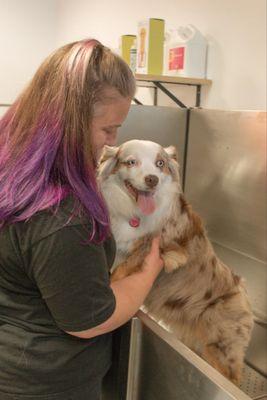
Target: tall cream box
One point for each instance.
(150, 41)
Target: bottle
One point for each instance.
(133, 56)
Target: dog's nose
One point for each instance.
(151, 180)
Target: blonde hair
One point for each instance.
(45, 143)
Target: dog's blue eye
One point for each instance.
(160, 163)
(130, 163)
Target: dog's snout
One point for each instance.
(151, 180)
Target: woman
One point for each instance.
(57, 306)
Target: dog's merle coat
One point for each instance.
(197, 296)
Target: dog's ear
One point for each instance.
(107, 161)
(172, 152)
(173, 161)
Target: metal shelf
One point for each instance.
(158, 82)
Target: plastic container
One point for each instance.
(133, 56)
(126, 42)
(185, 52)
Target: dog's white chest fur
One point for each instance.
(125, 234)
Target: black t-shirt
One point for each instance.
(51, 281)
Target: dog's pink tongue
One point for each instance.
(146, 204)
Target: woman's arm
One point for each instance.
(130, 293)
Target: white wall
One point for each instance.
(27, 36)
(30, 29)
(236, 30)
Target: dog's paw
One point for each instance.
(174, 259)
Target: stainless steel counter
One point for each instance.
(161, 367)
(150, 363)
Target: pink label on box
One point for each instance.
(176, 58)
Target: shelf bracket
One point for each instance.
(137, 101)
(169, 94)
(158, 85)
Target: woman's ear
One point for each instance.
(107, 161)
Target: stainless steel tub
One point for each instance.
(223, 154)
(161, 367)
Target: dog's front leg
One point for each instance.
(135, 260)
(174, 256)
(124, 269)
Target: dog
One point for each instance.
(196, 295)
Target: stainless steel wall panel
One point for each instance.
(226, 183)
(226, 177)
(255, 274)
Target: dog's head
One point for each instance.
(144, 170)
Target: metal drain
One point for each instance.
(253, 384)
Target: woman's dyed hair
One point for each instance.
(45, 141)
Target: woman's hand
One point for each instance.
(153, 262)
(130, 293)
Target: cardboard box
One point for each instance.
(126, 43)
(150, 41)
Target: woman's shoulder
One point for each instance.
(50, 221)
(67, 213)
